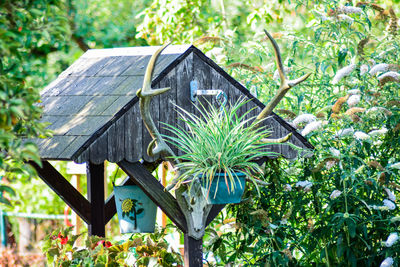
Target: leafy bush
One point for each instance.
(337, 208)
(60, 250)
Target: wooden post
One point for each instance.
(76, 171)
(76, 180)
(95, 189)
(193, 252)
(164, 168)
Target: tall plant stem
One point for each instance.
(327, 256)
(347, 211)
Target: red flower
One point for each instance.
(104, 243)
(19, 28)
(101, 242)
(63, 239)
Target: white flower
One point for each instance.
(322, 15)
(284, 221)
(379, 110)
(354, 92)
(346, 18)
(378, 142)
(273, 226)
(389, 204)
(287, 187)
(392, 75)
(334, 152)
(395, 219)
(350, 10)
(388, 262)
(372, 62)
(392, 238)
(338, 89)
(343, 73)
(395, 165)
(269, 66)
(293, 170)
(390, 194)
(303, 118)
(363, 69)
(345, 132)
(335, 194)
(306, 185)
(217, 53)
(312, 126)
(382, 54)
(361, 135)
(382, 67)
(353, 100)
(329, 164)
(276, 73)
(378, 132)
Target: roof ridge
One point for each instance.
(134, 51)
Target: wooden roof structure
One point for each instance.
(94, 112)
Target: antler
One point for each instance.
(283, 89)
(157, 147)
(285, 83)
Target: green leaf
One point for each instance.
(342, 56)
(139, 211)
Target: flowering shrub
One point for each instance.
(339, 206)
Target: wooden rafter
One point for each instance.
(155, 191)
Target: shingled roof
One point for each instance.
(88, 101)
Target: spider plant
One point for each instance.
(218, 141)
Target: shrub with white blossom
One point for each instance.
(340, 208)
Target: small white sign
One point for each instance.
(74, 168)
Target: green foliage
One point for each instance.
(218, 141)
(336, 208)
(60, 250)
(25, 40)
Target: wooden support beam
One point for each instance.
(215, 210)
(155, 191)
(193, 252)
(64, 190)
(95, 191)
(109, 208)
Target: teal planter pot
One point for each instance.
(136, 212)
(218, 192)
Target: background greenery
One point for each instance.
(302, 226)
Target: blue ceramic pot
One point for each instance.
(219, 193)
(136, 212)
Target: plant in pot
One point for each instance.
(219, 149)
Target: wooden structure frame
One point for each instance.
(95, 117)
